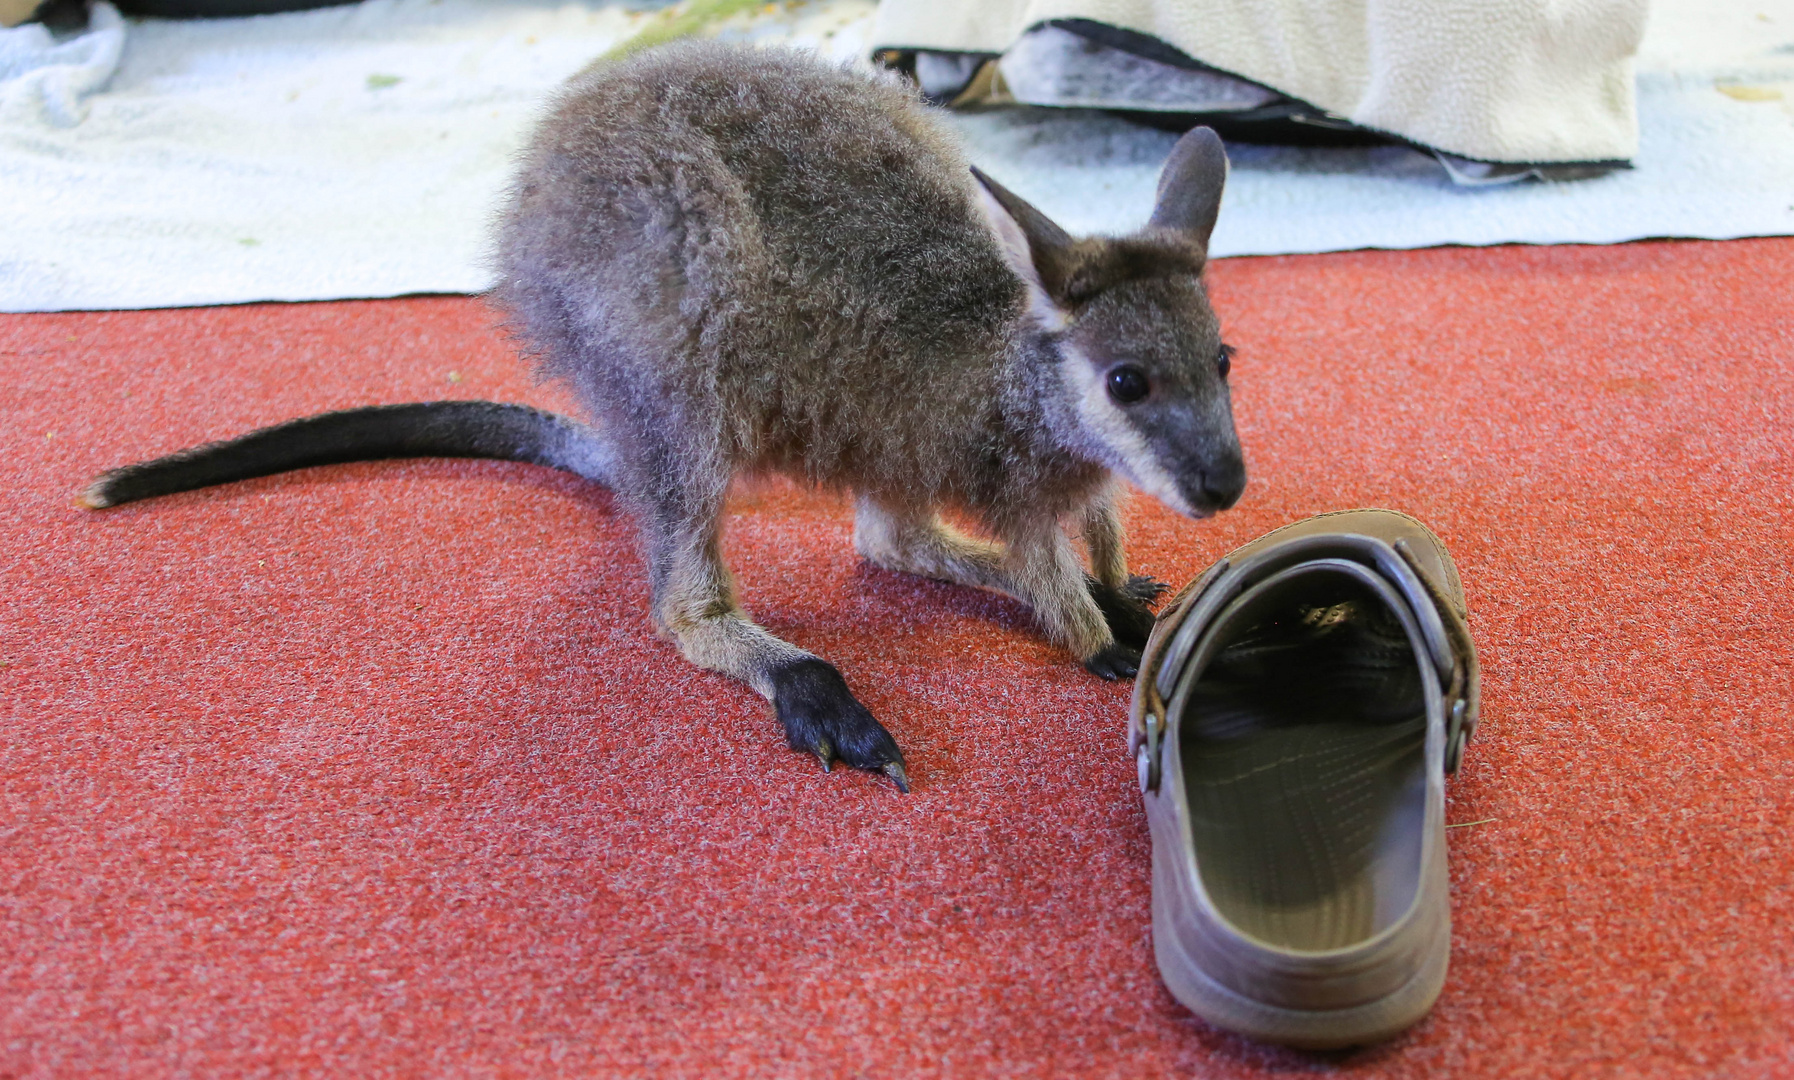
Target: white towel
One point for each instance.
(361, 151)
(351, 151)
(44, 81)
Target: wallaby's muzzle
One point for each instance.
(1222, 484)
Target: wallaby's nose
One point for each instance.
(1224, 485)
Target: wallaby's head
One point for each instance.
(1141, 373)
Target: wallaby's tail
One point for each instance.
(480, 429)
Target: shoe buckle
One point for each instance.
(1455, 737)
(1146, 758)
(1460, 725)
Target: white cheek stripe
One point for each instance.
(1103, 419)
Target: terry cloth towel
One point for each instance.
(1510, 81)
(350, 151)
(363, 151)
(44, 81)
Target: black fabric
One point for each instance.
(218, 9)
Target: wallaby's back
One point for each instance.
(791, 251)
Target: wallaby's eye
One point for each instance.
(1224, 360)
(1127, 384)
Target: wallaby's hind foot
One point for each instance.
(822, 717)
(819, 714)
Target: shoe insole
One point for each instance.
(1303, 759)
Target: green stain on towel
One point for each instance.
(680, 21)
(381, 82)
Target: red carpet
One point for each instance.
(377, 770)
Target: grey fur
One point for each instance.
(748, 262)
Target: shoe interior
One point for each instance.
(1303, 758)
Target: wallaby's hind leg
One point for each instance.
(1123, 598)
(1104, 626)
(1105, 537)
(694, 603)
(1044, 570)
(918, 542)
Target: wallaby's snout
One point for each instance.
(1220, 483)
(1224, 485)
(1205, 453)
(1205, 462)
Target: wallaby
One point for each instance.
(749, 261)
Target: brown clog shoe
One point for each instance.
(1297, 711)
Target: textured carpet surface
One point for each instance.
(377, 770)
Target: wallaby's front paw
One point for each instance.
(1118, 661)
(1145, 588)
(822, 717)
(1124, 609)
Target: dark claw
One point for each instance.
(894, 770)
(821, 717)
(1118, 661)
(1145, 589)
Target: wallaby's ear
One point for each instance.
(1040, 230)
(1190, 185)
(1034, 246)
